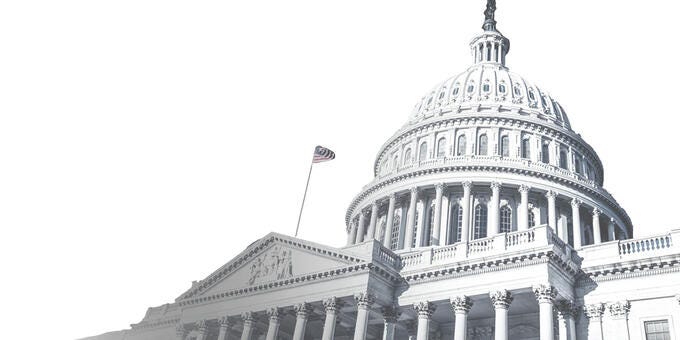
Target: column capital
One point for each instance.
(392, 196)
(425, 308)
(619, 309)
(364, 299)
(566, 309)
(575, 202)
(302, 309)
(332, 304)
(273, 313)
(496, 185)
(180, 330)
(551, 194)
(501, 299)
(247, 317)
(467, 185)
(597, 212)
(365, 212)
(375, 204)
(440, 186)
(414, 190)
(593, 311)
(545, 293)
(226, 321)
(461, 304)
(391, 314)
(523, 189)
(201, 325)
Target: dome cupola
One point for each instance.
(490, 46)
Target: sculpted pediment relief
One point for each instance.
(272, 258)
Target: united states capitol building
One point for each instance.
(486, 219)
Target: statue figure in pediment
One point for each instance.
(276, 264)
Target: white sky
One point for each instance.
(144, 143)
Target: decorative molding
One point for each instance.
(276, 264)
(501, 299)
(545, 293)
(425, 309)
(461, 304)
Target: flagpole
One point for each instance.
(304, 197)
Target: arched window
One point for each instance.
(396, 225)
(577, 164)
(462, 144)
(395, 163)
(545, 152)
(564, 161)
(506, 219)
(526, 148)
(415, 229)
(517, 90)
(382, 228)
(471, 87)
(532, 96)
(480, 221)
(501, 88)
(505, 146)
(422, 154)
(483, 145)
(430, 225)
(407, 156)
(459, 223)
(486, 87)
(532, 219)
(456, 89)
(441, 148)
(442, 94)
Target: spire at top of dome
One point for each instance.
(490, 16)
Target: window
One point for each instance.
(471, 87)
(480, 221)
(505, 146)
(564, 162)
(456, 90)
(429, 101)
(459, 223)
(486, 87)
(577, 164)
(441, 94)
(441, 148)
(532, 96)
(430, 225)
(517, 90)
(407, 156)
(415, 229)
(422, 155)
(506, 219)
(526, 148)
(483, 145)
(462, 144)
(396, 225)
(544, 101)
(501, 88)
(532, 219)
(657, 330)
(395, 164)
(545, 152)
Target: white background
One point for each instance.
(144, 143)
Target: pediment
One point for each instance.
(275, 257)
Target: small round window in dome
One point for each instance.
(501, 88)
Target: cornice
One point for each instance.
(598, 192)
(156, 324)
(627, 270)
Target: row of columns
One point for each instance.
(358, 230)
(501, 300)
(302, 311)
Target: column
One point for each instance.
(444, 229)
(494, 213)
(545, 294)
(412, 329)
(332, 305)
(248, 321)
(351, 238)
(390, 314)
(387, 240)
(597, 235)
(202, 329)
(501, 302)
(461, 306)
(180, 331)
(611, 230)
(420, 223)
(439, 192)
(566, 312)
(364, 302)
(225, 327)
(425, 310)
(618, 325)
(274, 323)
(302, 312)
(374, 220)
(594, 314)
(362, 227)
(523, 211)
(552, 210)
(411, 219)
(465, 230)
(576, 222)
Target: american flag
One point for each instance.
(322, 154)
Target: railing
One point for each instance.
(644, 245)
(387, 256)
(410, 260)
(480, 246)
(519, 238)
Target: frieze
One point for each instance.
(276, 264)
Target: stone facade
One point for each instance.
(486, 219)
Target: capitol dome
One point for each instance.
(483, 153)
